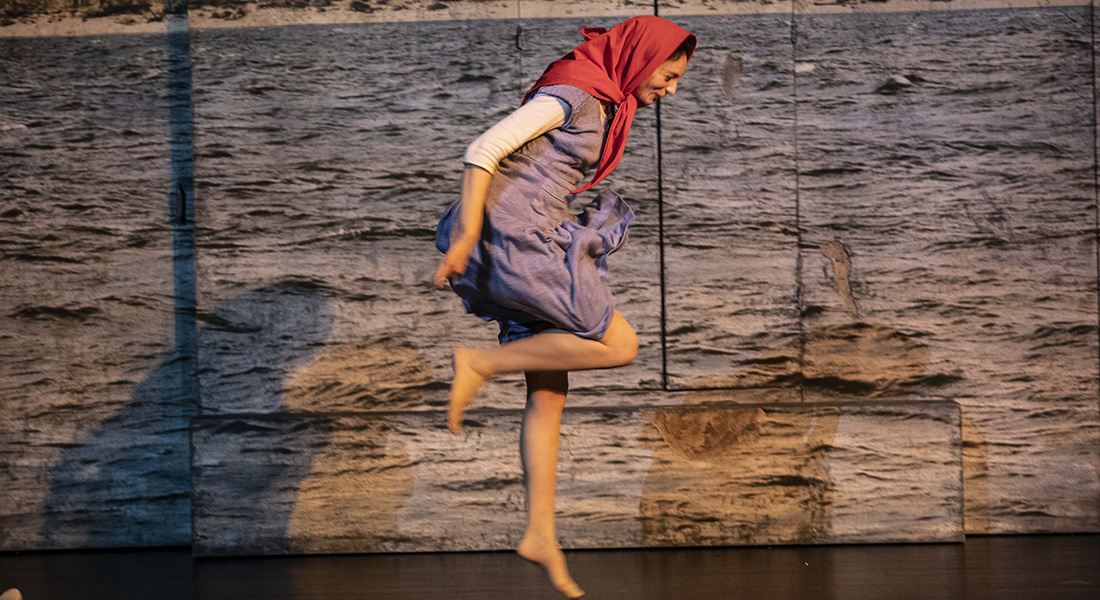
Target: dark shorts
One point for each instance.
(511, 331)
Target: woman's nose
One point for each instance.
(672, 88)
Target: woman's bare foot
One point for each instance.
(545, 552)
(467, 381)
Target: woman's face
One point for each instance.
(661, 82)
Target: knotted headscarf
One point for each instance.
(610, 65)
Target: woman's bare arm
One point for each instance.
(475, 184)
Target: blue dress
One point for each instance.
(537, 266)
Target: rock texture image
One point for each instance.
(892, 248)
(863, 275)
(946, 184)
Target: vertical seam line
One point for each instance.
(797, 213)
(661, 242)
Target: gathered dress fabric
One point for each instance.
(537, 266)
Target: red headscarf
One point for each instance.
(610, 65)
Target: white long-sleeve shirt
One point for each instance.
(542, 113)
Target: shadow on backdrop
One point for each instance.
(128, 483)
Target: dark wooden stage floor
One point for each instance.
(1000, 567)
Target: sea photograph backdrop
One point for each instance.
(863, 277)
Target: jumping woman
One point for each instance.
(516, 255)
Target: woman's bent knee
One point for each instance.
(630, 349)
(621, 338)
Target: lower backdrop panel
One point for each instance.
(693, 475)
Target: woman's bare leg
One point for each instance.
(546, 392)
(541, 352)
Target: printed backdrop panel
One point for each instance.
(948, 209)
(730, 207)
(717, 474)
(93, 391)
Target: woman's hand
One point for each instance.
(455, 261)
